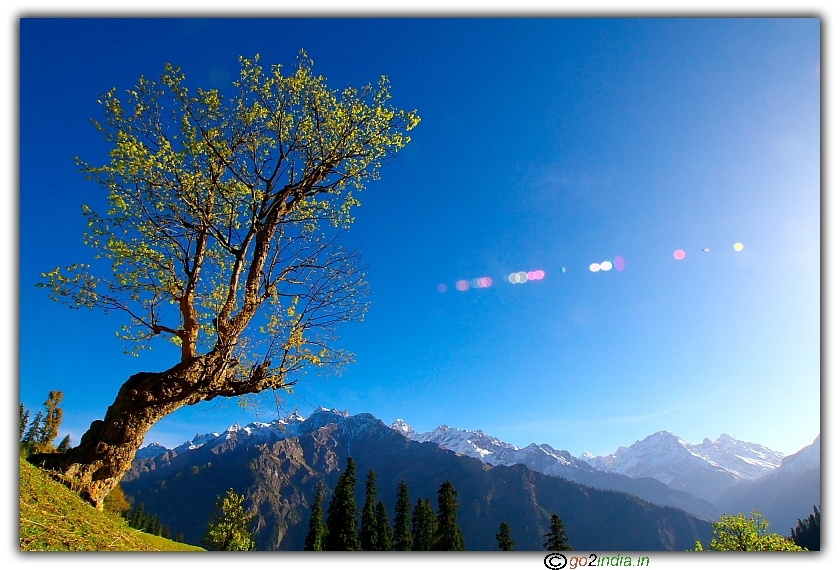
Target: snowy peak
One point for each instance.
(806, 458)
(400, 426)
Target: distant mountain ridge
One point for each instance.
(705, 470)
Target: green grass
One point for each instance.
(54, 518)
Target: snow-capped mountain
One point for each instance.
(705, 470)
(803, 460)
(542, 458)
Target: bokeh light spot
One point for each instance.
(442, 288)
(619, 263)
(679, 254)
(738, 246)
(539, 274)
(606, 265)
(595, 267)
(563, 270)
(523, 277)
(462, 285)
(706, 249)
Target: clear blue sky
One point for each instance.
(544, 144)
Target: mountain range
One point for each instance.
(279, 465)
(704, 480)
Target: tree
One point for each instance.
(24, 420)
(402, 519)
(65, 445)
(317, 531)
(32, 435)
(423, 526)
(51, 422)
(736, 532)
(503, 537)
(384, 533)
(368, 537)
(222, 235)
(116, 502)
(448, 534)
(807, 532)
(341, 514)
(229, 526)
(556, 539)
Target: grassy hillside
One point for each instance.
(54, 518)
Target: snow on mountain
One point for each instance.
(806, 458)
(151, 450)
(706, 469)
(493, 451)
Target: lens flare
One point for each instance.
(619, 263)
(595, 267)
(706, 250)
(442, 288)
(562, 270)
(679, 254)
(738, 246)
(462, 285)
(606, 265)
(523, 277)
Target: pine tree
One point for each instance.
(384, 534)
(24, 420)
(341, 514)
(64, 445)
(229, 526)
(32, 436)
(556, 539)
(503, 537)
(368, 537)
(448, 536)
(51, 423)
(807, 532)
(402, 519)
(423, 525)
(317, 531)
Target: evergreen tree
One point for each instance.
(556, 539)
(167, 532)
(368, 537)
(229, 526)
(180, 538)
(138, 518)
(402, 519)
(317, 531)
(503, 537)
(64, 445)
(51, 423)
(807, 532)
(448, 535)
(341, 514)
(384, 534)
(32, 436)
(24, 420)
(423, 525)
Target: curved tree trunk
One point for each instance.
(106, 450)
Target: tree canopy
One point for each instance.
(737, 532)
(229, 526)
(222, 234)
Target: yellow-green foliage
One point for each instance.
(54, 518)
(737, 532)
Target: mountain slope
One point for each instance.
(549, 461)
(783, 495)
(278, 467)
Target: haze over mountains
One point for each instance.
(704, 480)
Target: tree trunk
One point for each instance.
(106, 450)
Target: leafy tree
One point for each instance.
(317, 531)
(384, 533)
(342, 512)
(503, 537)
(448, 535)
(556, 539)
(402, 519)
(222, 236)
(423, 526)
(807, 532)
(368, 537)
(229, 526)
(736, 532)
(51, 422)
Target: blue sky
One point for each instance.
(544, 144)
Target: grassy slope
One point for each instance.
(54, 518)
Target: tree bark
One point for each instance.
(106, 450)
